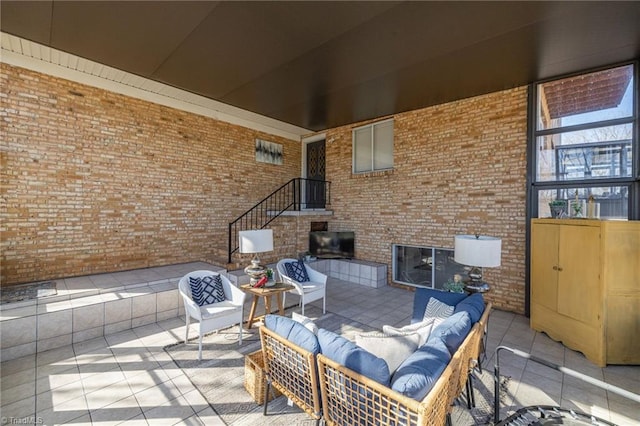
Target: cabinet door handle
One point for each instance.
(555, 268)
(559, 269)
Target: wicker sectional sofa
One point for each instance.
(336, 380)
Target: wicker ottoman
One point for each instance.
(255, 379)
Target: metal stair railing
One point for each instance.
(287, 197)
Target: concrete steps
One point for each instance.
(91, 306)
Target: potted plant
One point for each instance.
(455, 285)
(558, 208)
(306, 257)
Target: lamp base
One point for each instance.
(477, 287)
(474, 283)
(255, 271)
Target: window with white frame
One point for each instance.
(373, 147)
(585, 142)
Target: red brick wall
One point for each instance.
(93, 181)
(459, 168)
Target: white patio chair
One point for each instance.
(309, 291)
(215, 316)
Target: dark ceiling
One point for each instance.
(319, 65)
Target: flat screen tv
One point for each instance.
(332, 245)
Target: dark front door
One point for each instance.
(315, 193)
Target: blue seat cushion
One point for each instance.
(347, 353)
(422, 296)
(473, 305)
(417, 374)
(297, 271)
(452, 331)
(293, 331)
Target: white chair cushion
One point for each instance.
(217, 309)
(311, 286)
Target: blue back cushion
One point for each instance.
(473, 305)
(293, 331)
(207, 290)
(297, 271)
(452, 331)
(421, 298)
(352, 356)
(417, 374)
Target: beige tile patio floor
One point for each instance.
(127, 377)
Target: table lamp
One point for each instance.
(256, 241)
(479, 252)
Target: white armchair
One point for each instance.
(309, 291)
(214, 316)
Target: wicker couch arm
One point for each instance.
(292, 370)
(483, 324)
(467, 355)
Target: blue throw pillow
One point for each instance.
(293, 331)
(417, 374)
(207, 290)
(452, 331)
(352, 356)
(297, 271)
(422, 296)
(473, 305)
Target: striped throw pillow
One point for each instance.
(437, 309)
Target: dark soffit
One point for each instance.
(320, 65)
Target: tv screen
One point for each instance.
(332, 245)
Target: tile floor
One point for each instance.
(127, 377)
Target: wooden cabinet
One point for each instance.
(585, 286)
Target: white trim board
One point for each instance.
(23, 53)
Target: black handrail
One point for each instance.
(287, 197)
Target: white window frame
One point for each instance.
(372, 127)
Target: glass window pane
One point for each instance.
(608, 202)
(413, 265)
(587, 98)
(383, 146)
(362, 150)
(424, 266)
(603, 152)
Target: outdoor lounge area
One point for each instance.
(415, 191)
(146, 375)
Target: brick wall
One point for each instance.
(93, 181)
(459, 168)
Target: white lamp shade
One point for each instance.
(481, 251)
(258, 241)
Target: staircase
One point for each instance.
(296, 195)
